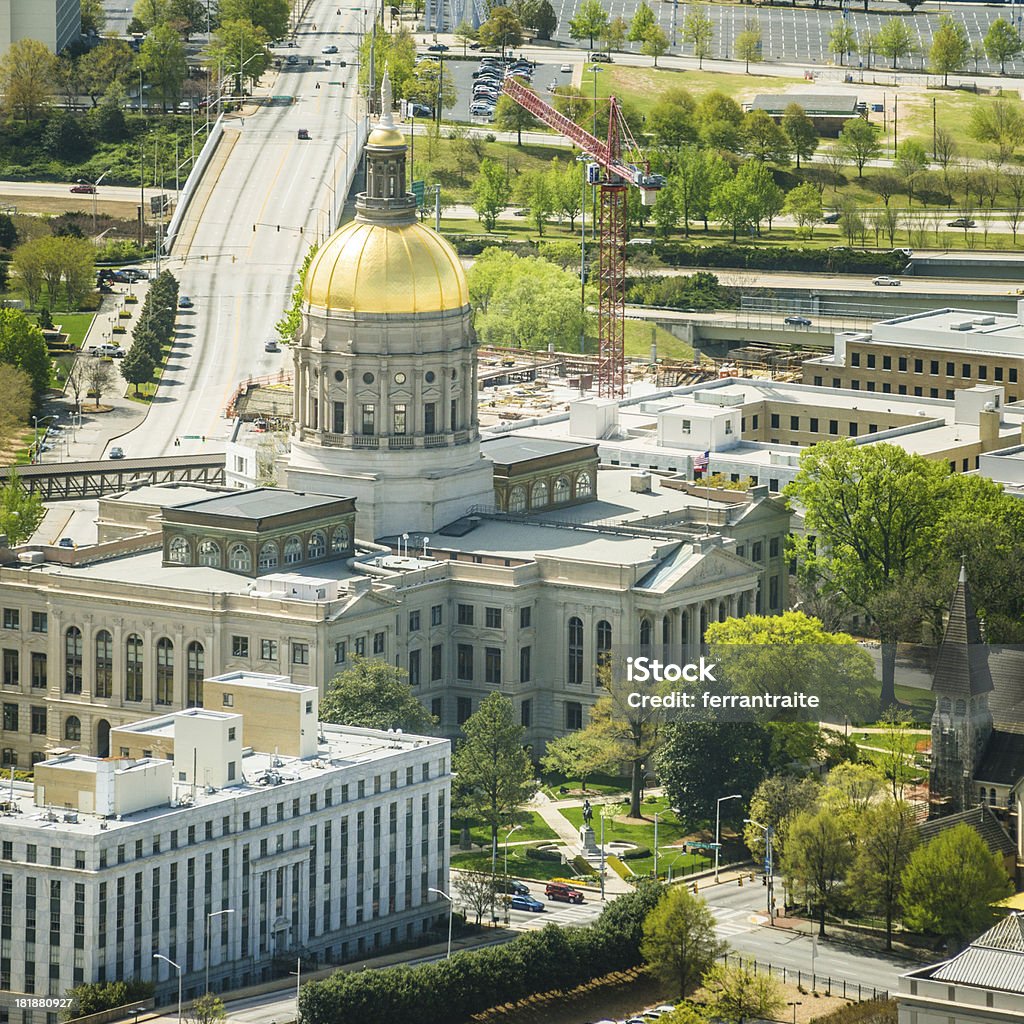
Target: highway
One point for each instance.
(253, 221)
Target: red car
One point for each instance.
(84, 187)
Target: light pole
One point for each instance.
(35, 437)
(718, 819)
(177, 967)
(657, 814)
(769, 867)
(298, 984)
(209, 918)
(795, 1004)
(95, 186)
(602, 852)
(514, 828)
(451, 907)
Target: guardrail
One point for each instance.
(195, 176)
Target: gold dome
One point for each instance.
(383, 136)
(385, 268)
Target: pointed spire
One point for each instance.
(961, 668)
(386, 101)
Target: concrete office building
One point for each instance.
(55, 23)
(325, 849)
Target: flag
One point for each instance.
(700, 464)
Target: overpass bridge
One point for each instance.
(67, 481)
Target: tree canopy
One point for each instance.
(374, 695)
(680, 943)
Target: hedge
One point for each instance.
(536, 853)
(839, 260)
(636, 853)
(449, 991)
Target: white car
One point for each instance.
(566, 69)
(329, 49)
(892, 282)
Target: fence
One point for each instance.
(798, 977)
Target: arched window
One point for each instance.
(72, 728)
(209, 553)
(196, 666)
(73, 660)
(961, 707)
(945, 705)
(576, 650)
(646, 633)
(268, 556)
(603, 643)
(340, 540)
(539, 495)
(104, 664)
(584, 485)
(164, 671)
(992, 797)
(517, 499)
(317, 546)
(562, 489)
(292, 551)
(133, 668)
(178, 551)
(239, 558)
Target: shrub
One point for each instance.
(636, 853)
(93, 997)
(582, 865)
(839, 260)
(536, 853)
(618, 867)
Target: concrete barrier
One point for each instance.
(192, 183)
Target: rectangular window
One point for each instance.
(933, 367)
(12, 666)
(228, 700)
(773, 592)
(10, 717)
(429, 417)
(813, 427)
(436, 615)
(398, 419)
(436, 658)
(902, 363)
(794, 422)
(463, 709)
(369, 425)
(300, 654)
(464, 662)
(998, 373)
(886, 362)
(950, 369)
(524, 664)
(378, 643)
(39, 622)
(966, 370)
(853, 429)
(871, 362)
(492, 618)
(855, 359)
(773, 547)
(525, 714)
(414, 667)
(756, 550)
(1013, 376)
(12, 618)
(464, 614)
(338, 425)
(918, 366)
(492, 665)
(982, 373)
(573, 714)
(435, 708)
(268, 650)
(774, 419)
(360, 645)
(524, 617)
(239, 647)
(38, 720)
(833, 426)
(414, 622)
(340, 652)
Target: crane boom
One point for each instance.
(612, 216)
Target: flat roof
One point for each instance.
(510, 448)
(259, 503)
(259, 680)
(165, 495)
(813, 103)
(977, 332)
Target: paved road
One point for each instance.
(270, 200)
(118, 193)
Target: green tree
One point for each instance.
(999, 122)
(747, 199)
(749, 44)
(501, 30)
(893, 40)
(494, 777)
(950, 48)
(777, 800)
(162, 58)
(23, 346)
(680, 944)
(77, 260)
(187, 17)
(108, 120)
(800, 130)
(910, 164)
(655, 43)
(374, 695)
(269, 15)
(873, 509)
(491, 193)
(578, 755)
(734, 993)
(818, 853)
(96, 996)
(842, 41)
(590, 21)
(764, 139)
(395, 51)
(207, 1009)
(565, 185)
(28, 75)
(570, 101)
(699, 172)
(886, 837)
(950, 884)
(20, 511)
(671, 119)
(803, 204)
(720, 122)
(1002, 43)
(859, 143)
(94, 17)
(699, 31)
(64, 137)
(137, 366)
(613, 35)
(642, 23)
(850, 789)
(701, 760)
(240, 49)
(8, 232)
(511, 117)
(851, 223)
(108, 64)
(534, 192)
(432, 83)
(544, 20)
(466, 34)
(666, 211)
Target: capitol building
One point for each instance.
(510, 562)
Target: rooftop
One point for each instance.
(259, 503)
(813, 103)
(956, 330)
(518, 448)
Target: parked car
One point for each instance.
(562, 893)
(600, 58)
(107, 351)
(831, 218)
(66, 542)
(892, 282)
(420, 110)
(797, 321)
(303, 133)
(84, 187)
(133, 274)
(185, 303)
(526, 903)
(437, 48)
(482, 110)
(115, 453)
(961, 222)
(329, 49)
(513, 887)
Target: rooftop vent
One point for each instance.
(984, 321)
(961, 325)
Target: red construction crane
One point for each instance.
(617, 176)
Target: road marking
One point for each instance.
(270, 193)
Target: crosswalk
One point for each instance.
(729, 921)
(564, 914)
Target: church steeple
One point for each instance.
(961, 668)
(386, 200)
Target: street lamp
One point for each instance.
(769, 868)
(514, 828)
(209, 918)
(35, 437)
(451, 907)
(718, 818)
(657, 814)
(795, 1004)
(95, 186)
(177, 967)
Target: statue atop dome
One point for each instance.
(386, 101)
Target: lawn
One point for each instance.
(76, 325)
(519, 865)
(554, 782)
(535, 828)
